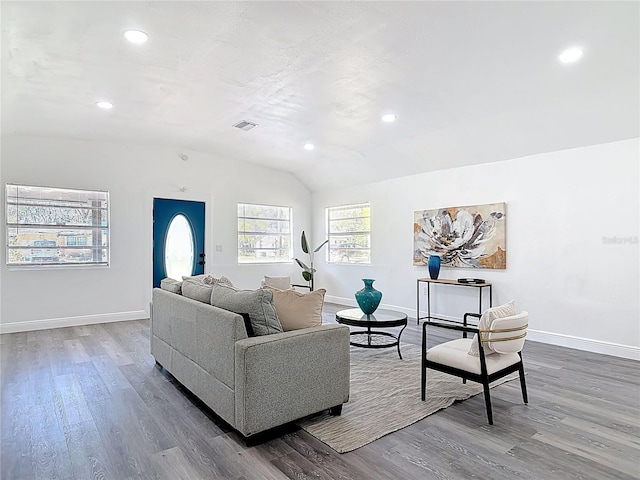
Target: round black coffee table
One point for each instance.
(372, 337)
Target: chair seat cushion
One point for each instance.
(456, 354)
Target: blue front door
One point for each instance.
(178, 239)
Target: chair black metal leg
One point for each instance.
(523, 385)
(487, 400)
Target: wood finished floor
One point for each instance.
(88, 403)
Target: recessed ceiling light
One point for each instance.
(136, 36)
(309, 146)
(570, 55)
(389, 117)
(104, 105)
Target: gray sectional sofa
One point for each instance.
(253, 383)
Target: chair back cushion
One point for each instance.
(513, 328)
(506, 310)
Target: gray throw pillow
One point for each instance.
(196, 290)
(257, 303)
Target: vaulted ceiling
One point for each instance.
(470, 82)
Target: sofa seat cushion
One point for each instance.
(258, 304)
(298, 310)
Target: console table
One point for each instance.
(429, 281)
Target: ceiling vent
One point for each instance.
(246, 126)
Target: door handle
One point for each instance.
(201, 262)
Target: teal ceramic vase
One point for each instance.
(434, 266)
(368, 298)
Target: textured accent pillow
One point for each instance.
(298, 310)
(210, 279)
(195, 278)
(281, 283)
(196, 290)
(257, 303)
(506, 310)
(171, 285)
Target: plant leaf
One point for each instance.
(321, 245)
(304, 244)
(302, 264)
(307, 275)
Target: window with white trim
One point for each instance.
(56, 226)
(264, 234)
(349, 232)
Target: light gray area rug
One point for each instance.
(385, 397)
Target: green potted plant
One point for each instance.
(308, 271)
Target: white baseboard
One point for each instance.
(45, 324)
(569, 341)
(586, 344)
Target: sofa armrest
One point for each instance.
(282, 377)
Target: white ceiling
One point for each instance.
(471, 82)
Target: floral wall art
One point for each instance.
(469, 237)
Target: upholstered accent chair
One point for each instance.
(498, 353)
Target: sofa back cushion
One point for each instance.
(171, 285)
(298, 310)
(258, 304)
(196, 290)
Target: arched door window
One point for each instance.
(178, 248)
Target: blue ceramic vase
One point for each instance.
(368, 298)
(434, 266)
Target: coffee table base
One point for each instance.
(375, 339)
(372, 337)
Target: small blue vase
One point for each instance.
(434, 266)
(368, 298)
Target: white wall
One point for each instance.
(133, 175)
(562, 209)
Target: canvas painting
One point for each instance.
(469, 237)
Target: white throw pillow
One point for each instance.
(281, 283)
(298, 310)
(502, 311)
